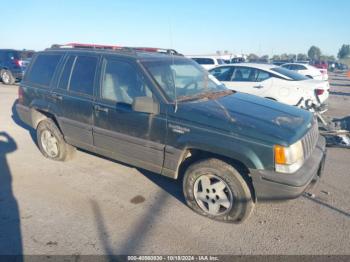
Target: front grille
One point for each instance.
(309, 141)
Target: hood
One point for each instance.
(247, 116)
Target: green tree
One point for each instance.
(253, 57)
(302, 57)
(276, 58)
(284, 57)
(344, 51)
(314, 53)
(264, 57)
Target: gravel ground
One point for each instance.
(91, 205)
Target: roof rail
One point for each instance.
(115, 47)
(92, 46)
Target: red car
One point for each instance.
(321, 64)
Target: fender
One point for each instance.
(40, 110)
(240, 150)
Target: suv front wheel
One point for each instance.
(51, 142)
(215, 189)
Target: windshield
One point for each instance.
(189, 79)
(292, 75)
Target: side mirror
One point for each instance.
(145, 104)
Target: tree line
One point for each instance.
(314, 53)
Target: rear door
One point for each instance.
(73, 97)
(133, 137)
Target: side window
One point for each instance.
(43, 69)
(222, 73)
(121, 82)
(262, 76)
(204, 61)
(245, 74)
(67, 70)
(300, 67)
(83, 75)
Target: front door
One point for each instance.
(133, 137)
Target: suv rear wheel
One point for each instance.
(215, 189)
(7, 77)
(51, 142)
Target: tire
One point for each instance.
(203, 189)
(7, 77)
(310, 77)
(51, 142)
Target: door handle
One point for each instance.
(57, 96)
(259, 86)
(101, 108)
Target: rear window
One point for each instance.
(291, 75)
(43, 69)
(204, 61)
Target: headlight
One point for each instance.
(289, 159)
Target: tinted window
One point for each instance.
(83, 75)
(43, 69)
(222, 73)
(64, 81)
(204, 61)
(262, 76)
(121, 83)
(299, 67)
(221, 61)
(291, 75)
(245, 74)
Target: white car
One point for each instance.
(308, 70)
(275, 83)
(208, 62)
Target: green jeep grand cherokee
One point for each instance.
(164, 113)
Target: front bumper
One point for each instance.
(270, 185)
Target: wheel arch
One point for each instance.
(192, 155)
(38, 115)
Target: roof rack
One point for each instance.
(115, 47)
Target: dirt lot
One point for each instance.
(91, 205)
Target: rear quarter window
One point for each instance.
(43, 69)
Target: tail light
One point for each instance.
(20, 95)
(18, 62)
(319, 92)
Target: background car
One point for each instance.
(275, 83)
(13, 64)
(208, 62)
(320, 64)
(308, 70)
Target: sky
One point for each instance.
(189, 26)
